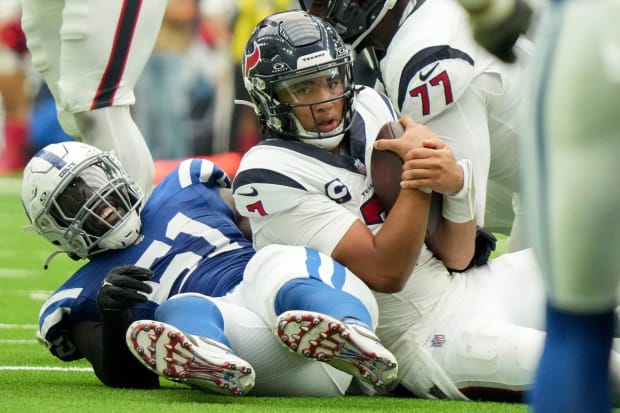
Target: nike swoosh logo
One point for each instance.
(253, 192)
(424, 76)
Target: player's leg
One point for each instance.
(278, 371)
(577, 129)
(318, 309)
(479, 343)
(191, 350)
(103, 51)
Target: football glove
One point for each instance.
(497, 24)
(124, 287)
(485, 245)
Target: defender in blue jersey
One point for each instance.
(174, 286)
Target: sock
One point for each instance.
(573, 372)
(313, 295)
(194, 315)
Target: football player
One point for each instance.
(574, 117)
(184, 243)
(90, 55)
(433, 71)
(470, 335)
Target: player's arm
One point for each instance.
(385, 260)
(242, 222)
(433, 165)
(103, 343)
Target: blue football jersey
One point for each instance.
(189, 240)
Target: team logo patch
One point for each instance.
(438, 340)
(252, 59)
(337, 191)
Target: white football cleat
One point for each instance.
(196, 361)
(348, 347)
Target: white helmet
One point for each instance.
(81, 199)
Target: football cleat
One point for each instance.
(348, 347)
(196, 361)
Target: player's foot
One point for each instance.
(348, 347)
(196, 361)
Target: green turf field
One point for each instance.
(32, 380)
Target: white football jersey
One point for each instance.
(297, 194)
(434, 72)
(332, 190)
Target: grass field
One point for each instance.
(32, 380)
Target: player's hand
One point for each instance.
(415, 133)
(499, 25)
(124, 287)
(485, 245)
(432, 166)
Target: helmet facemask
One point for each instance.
(318, 105)
(89, 207)
(98, 209)
(297, 71)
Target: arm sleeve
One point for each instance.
(103, 344)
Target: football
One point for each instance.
(386, 167)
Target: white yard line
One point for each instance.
(19, 326)
(10, 341)
(46, 368)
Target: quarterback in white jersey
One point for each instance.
(153, 270)
(90, 54)
(434, 72)
(455, 335)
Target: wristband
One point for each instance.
(461, 207)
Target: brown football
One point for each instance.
(386, 167)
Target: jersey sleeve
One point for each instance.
(431, 61)
(285, 200)
(197, 171)
(317, 223)
(72, 302)
(262, 188)
(431, 81)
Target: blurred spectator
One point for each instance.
(216, 24)
(185, 96)
(14, 94)
(169, 84)
(237, 19)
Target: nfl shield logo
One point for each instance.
(438, 340)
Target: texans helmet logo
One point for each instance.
(252, 59)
